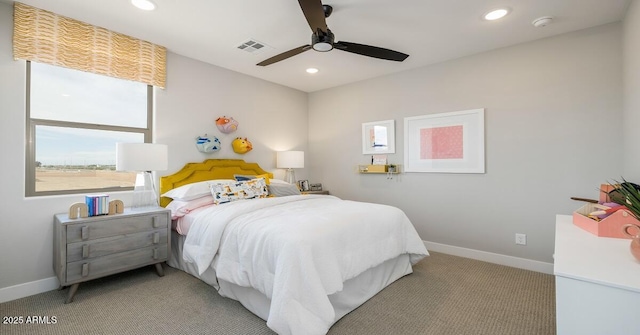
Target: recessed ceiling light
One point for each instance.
(496, 14)
(312, 70)
(144, 4)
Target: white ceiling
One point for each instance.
(430, 31)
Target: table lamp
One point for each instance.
(290, 160)
(142, 158)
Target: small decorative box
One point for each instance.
(611, 226)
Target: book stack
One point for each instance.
(97, 204)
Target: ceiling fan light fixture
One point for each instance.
(496, 14)
(322, 47)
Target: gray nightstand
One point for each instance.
(98, 246)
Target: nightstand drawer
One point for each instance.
(110, 226)
(111, 245)
(103, 266)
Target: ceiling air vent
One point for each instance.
(253, 46)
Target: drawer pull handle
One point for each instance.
(156, 238)
(155, 223)
(85, 269)
(155, 253)
(85, 251)
(84, 232)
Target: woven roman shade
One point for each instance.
(46, 37)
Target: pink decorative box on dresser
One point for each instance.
(611, 226)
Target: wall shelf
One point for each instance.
(379, 169)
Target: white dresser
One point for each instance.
(597, 283)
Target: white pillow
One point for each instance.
(194, 190)
(181, 208)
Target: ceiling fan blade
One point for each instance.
(284, 55)
(314, 13)
(367, 50)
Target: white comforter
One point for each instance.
(297, 250)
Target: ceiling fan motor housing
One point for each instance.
(327, 9)
(322, 41)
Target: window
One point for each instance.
(74, 120)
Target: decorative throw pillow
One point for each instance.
(238, 190)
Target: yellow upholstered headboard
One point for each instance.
(207, 170)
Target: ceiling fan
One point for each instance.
(322, 38)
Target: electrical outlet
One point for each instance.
(521, 239)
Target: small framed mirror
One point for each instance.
(379, 137)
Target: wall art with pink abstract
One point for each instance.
(445, 142)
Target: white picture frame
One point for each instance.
(445, 143)
(378, 137)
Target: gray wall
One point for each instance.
(631, 38)
(273, 117)
(553, 110)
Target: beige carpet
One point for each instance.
(444, 295)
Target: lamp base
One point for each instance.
(144, 191)
(290, 176)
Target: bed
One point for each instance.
(300, 262)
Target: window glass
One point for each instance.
(75, 120)
(63, 94)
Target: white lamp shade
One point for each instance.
(141, 157)
(290, 159)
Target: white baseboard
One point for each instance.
(28, 289)
(516, 262)
(48, 284)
